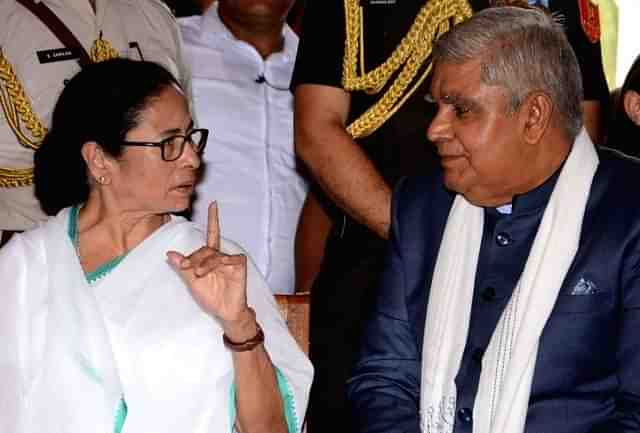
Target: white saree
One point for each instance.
(70, 351)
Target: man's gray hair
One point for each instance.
(523, 50)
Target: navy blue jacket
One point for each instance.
(587, 375)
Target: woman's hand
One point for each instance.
(218, 282)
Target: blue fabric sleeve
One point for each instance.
(384, 389)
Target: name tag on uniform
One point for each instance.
(379, 2)
(57, 55)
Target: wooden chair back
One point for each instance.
(295, 310)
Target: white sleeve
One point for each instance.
(283, 350)
(22, 311)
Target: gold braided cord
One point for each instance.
(433, 20)
(18, 112)
(15, 177)
(17, 107)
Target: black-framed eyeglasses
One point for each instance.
(173, 147)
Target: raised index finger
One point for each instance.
(213, 227)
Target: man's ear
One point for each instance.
(536, 112)
(632, 105)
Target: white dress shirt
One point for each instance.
(250, 165)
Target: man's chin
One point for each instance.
(474, 197)
(453, 184)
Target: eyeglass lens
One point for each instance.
(174, 147)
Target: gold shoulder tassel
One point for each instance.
(102, 50)
(18, 113)
(433, 20)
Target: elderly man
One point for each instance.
(510, 297)
(339, 103)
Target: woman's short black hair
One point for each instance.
(623, 132)
(101, 103)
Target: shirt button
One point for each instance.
(464, 415)
(503, 239)
(477, 355)
(488, 294)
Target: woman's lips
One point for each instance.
(186, 187)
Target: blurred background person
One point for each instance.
(44, 43)
(242, 52)
(117, 314)
(624, 130)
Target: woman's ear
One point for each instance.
(97, 162)
(632, 105)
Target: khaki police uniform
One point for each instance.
(136, 29)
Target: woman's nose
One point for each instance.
(190, 156)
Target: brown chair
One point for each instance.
(295, 310)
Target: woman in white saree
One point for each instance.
(118, 317)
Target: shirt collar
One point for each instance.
(534, 200)
(212, 27)
(82, 8)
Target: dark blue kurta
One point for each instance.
(586, 377)
(506, 242)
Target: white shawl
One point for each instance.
(507, 367)
(69, 351)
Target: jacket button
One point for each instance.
(488, 294)
(464, 415)
(503, 239)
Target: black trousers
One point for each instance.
(341, 298)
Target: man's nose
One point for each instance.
(440, 127)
